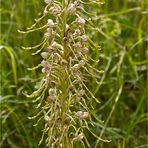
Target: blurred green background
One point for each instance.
(121, 31)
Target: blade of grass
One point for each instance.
(11, 54)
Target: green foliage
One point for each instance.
(119, 27)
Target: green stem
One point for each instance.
(64, 84)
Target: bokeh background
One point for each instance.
(121, 31)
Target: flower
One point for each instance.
(50, 23)
(46, 118)
(48, 35)
(84, 38)
(81, 93)
(45, 64)
(47, 1)
(55, 9)
(73, 7)
(84, 50)
(80, 136)
(78, 45)
(82, 115)
(52, 91)
(80, 21)
(77, 33)
(44, 55)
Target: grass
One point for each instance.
(120, 29)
